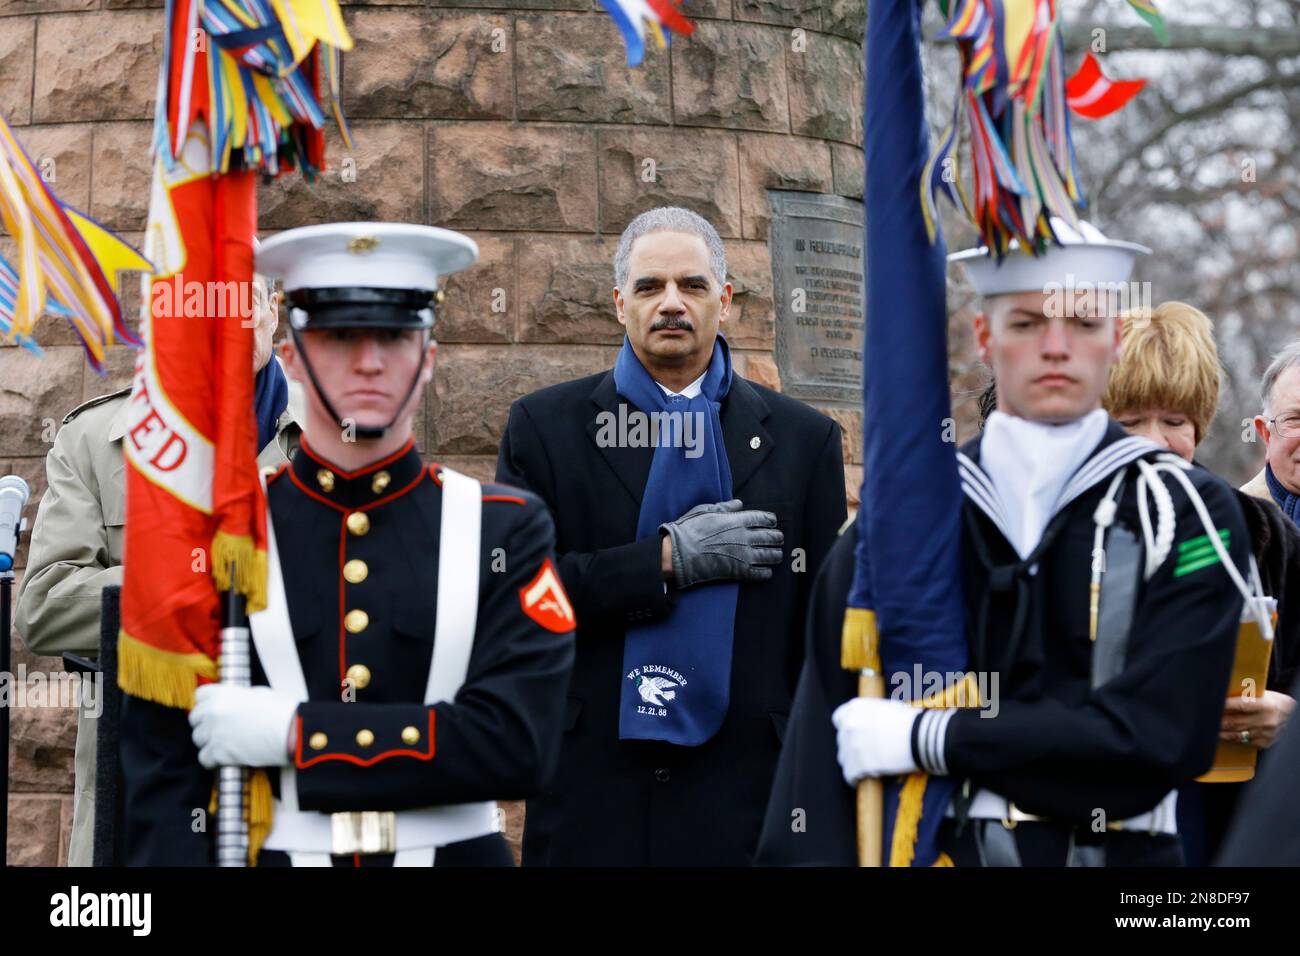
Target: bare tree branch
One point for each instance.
(1203, 111)
(1270, 45)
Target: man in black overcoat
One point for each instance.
(692, 510)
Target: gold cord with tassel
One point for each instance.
(911, 799)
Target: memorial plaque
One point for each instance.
(816, 249)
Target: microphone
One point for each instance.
(13, 498)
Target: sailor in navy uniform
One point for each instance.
(410, 666)
(1100, 710)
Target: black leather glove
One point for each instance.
(720, 542)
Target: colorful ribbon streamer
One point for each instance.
(633, 17)
(1014, 107)
(253, 70)
(1148, 12)
(1092, 94)
(67, 263)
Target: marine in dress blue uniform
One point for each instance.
(401, 683)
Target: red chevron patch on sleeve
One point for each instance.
(543, 599)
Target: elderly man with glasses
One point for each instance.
(1279, 427)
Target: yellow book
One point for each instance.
(1234, 762)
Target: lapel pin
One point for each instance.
(755, 442)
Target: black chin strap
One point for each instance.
(362, 431)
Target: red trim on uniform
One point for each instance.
(302, 443)
(343, 634)
(343, 537)
(512, 499)
(278, 472)
(367, 761)
(419, 476)
(293, 476)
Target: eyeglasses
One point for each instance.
(1288, 426)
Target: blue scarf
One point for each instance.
(270, 399)
(677, 671)
(1287, 501)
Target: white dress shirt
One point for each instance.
(690, 391)
(1030, 462)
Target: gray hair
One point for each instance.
(1289, 357)
(670, 219)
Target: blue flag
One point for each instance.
(909, 522)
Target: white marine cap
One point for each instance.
(374, 255)
(1085, 255)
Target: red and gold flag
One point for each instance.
(240, 93)
(195, 518)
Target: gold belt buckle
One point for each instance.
(363, 831)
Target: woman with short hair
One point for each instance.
(1166, 388)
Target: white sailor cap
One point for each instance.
(357, 274)
(1084, 256)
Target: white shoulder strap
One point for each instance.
(458, 567)
(272, 632)
(276, 649)
(457, 618)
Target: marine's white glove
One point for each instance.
(241, 726)
(875, 737)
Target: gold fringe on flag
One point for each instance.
(250, 568)
(860, 641)
(164, 677)
(907, 820)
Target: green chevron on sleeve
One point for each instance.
(1197, 553)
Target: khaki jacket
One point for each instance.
(1257, 487)
(76, 551)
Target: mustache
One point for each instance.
(673, 322)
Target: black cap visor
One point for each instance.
(363, 308)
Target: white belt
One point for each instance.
(988, 805)
(305, 831)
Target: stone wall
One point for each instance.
(515, 122)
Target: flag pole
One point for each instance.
(871, 790)
(235, 670)
(6, 605)
(902, 613)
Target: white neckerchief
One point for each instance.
(1029, 464)
(690, 391)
